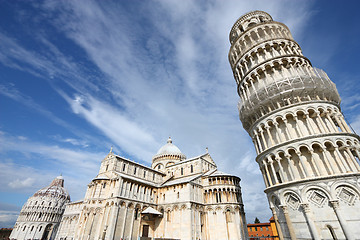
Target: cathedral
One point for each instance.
(306, 151)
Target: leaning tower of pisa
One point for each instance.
(307, 153)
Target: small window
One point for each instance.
(135, 170)
(260, 228)
(228, 216)
(278, 177)
(40, 228)
(24, 228)
(164, 197)
(182, 171)
(32, 228)
(159, 167)
(107, 166)
(153, 176)
(168, 214)
(178, 195)
(255, 229)
(124, 167)
(136, 213)
(191, 168)
(104, 185)
(144, 174)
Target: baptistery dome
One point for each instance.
(167, 155)
(41, 214)
(55, 190)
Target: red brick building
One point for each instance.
(263, 231)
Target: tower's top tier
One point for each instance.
(247, 21)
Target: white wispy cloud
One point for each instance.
(22, 183)
(41, 163)
(115, 125)
(8, 218)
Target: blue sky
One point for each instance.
(79, 77)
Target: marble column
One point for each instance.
(267, 172)
(332, 123)
(288, 222)
(287, 129)
(302, 161)
(292, 170)
(310, 221)
(342, 221)
(353, 160)
(315, 160)
(278, 227)
(326, 160)
(282, 173)
(342, 160)
(267, 127)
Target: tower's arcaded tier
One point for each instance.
(307, 153)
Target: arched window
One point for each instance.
(178, 195)
(278, 177)
(32, 228)
(134, 170)
(182, 171)
(332, 232)
(24, 228)
(144, 174)
(136, 213)
(124, 167)
(168, 215)
(191, 168)
(228, 215)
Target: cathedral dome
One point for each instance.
(54, 190)
(168, 152)
(169, 148)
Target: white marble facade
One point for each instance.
(176, 198)
(41, 214)
(307, 153)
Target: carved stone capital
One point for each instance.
(306, 207)
(335, 204)
(284, 209)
